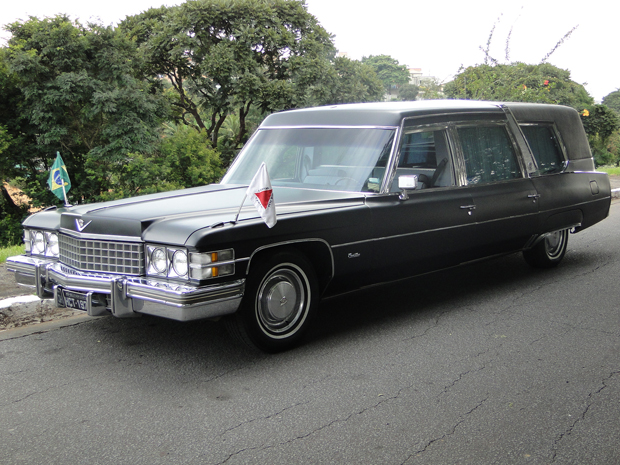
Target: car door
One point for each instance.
(430, 227)
(505, 199)
(560, 192)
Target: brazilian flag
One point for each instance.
(59, 181)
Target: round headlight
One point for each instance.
(179, 263)
(52, 245)
(38, 243)
(158, 260)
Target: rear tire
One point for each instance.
(549, 252)
(280, 301)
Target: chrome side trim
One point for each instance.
(322, 126)
(284, 243)
(398, 236)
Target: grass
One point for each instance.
(10, 251)
(613, 170)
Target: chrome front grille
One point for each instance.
(102, 256)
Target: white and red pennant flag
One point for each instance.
(262, 195)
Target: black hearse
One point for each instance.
(364, 194)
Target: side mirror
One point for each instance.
(405, 183)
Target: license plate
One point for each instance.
(75, 300)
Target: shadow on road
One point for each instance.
(205, 346)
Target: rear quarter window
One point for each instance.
(545, 147)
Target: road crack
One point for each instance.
(588, 403)
(450, 432)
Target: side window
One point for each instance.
(425, 153)
(545, 147)
(489, 154)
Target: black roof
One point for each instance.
(392, 113)
(374, 114)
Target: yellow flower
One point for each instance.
(585, 113)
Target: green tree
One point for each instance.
(183, 159)
(19, 157)
(601, 123)
(228, 56)
(613, 148)
(408, 92)
(388, 70)
(81, 91)
(346, 81)
(612, 100)
(519, 82)
(431, 89)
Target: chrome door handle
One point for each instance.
(468, 207)
(534, 197)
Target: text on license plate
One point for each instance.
(75, 300)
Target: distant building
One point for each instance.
(428, 84)
(415, 76)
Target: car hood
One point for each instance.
(154, 217)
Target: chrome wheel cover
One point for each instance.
(282, 301)
(554, 243)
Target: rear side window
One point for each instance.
(489, 154)
(545, 148)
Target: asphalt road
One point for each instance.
(493, 363)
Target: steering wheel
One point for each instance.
(346, 180)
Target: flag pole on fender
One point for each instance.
(261, 193)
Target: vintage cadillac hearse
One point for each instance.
(364, 194)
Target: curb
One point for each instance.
(28, 309)
(615, 193)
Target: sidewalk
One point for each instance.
(615, 186)
(19, 306)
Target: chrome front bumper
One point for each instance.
(127, 296)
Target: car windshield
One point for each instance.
(347, 159)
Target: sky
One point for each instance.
(438, 37)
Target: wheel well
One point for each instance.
(317, 252)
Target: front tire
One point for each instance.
(549, 252)
(280, 301)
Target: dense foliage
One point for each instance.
(80, 89)
(408, 92)
(162, 102)
(518, 82)
(391, 73)
(612, 101)
(224, 56)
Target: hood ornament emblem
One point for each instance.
(80, 225)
